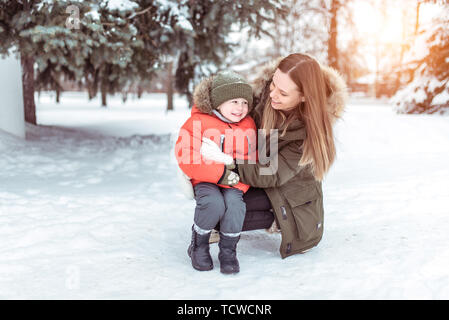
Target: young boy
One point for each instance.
(221, 106)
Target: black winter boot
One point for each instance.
(228, 255)
(199, 252)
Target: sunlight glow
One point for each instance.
(384, 27)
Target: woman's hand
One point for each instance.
(210, 151)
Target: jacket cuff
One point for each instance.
(236, 169)
(222, 176)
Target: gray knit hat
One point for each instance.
(227, 85)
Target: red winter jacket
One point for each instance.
(235, 139)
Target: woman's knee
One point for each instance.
(256, 200)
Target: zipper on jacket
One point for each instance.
(284, 213)
(222, 138)
(289, 248)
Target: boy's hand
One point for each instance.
(231, 166)
(209, 150)
(229, 178)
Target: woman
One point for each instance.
(302, 99)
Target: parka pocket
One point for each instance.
(307, 209)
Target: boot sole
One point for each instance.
(229, 272)
(202, 269)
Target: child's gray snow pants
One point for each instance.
(219, 205)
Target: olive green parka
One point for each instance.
(295, 195)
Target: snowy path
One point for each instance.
(88, 210)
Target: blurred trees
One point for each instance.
(312, 27)
(395, 50)
(112, 50)
(332, 50)
(38, 33)
(107, 49)
(309, 27)
(204, 42)
(426, 66)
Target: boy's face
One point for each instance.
(234, 109)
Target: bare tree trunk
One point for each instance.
(417, 17)
(104, 92)
(189, 99)
(376, 73)
(401, 54)
(169, 86)
(139, 91)
(332, 50)
(28, 88)
(278, 41)
(411, 72)
(103, 98)
(90, 93)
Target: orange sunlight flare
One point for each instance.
(381, 27)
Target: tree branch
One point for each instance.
(135, 14)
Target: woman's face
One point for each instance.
(284, 93)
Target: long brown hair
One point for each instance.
(318, 146)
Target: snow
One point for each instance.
(137, 117)
(442, 98)
(419, 50)
(367, 79)
(412, 94)
(121, 4)
(90, 209)
(181, 12)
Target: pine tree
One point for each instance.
(60, 49)
(203, 29)
(36, 31)
(156, 24)
(109, 49)
(427, 62)
(15, 17)
(113, 49)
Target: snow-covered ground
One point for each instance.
(90, 209)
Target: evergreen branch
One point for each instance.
(135, 14)
(132, 16)
(112, 24)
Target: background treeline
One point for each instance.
(136, 46)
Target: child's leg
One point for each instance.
(209, 209)
(210, 206)
(230, 227)
(232, 221)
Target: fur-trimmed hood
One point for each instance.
(336, 99)
(201, 95)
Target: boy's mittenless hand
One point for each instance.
(231, 166)
(229, 177)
